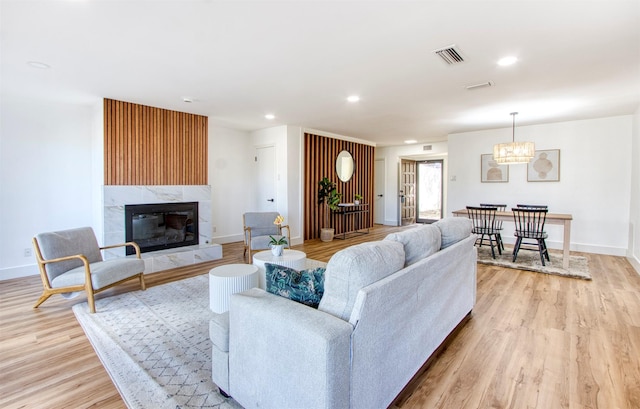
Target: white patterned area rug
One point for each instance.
(530, 261)
(155, 345)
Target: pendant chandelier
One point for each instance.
(513, 152)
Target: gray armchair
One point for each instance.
(71, 261)
(258, 226)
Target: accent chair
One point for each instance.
(258, 226)
(71, 261)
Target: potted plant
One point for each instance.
(277, 245)
(328, 195)
(357, 198)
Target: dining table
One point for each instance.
(552, 218)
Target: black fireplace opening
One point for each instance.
(159, 226)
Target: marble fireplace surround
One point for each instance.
(116, 197)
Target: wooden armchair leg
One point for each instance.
(44, 297)
(91, 300)
(143, 286)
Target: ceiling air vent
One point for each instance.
(450, 55)
(427, 147)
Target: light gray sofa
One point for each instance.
(386, 308)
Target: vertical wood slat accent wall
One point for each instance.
(320, 155)
(153, 146)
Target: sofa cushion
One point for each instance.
(454, 229)
(355, 267)
(418, 242)
(306, 286)
(219, 331)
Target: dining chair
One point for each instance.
(530, 226)
(484, 219)
(530, 206)
(498, 223)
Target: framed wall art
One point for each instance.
(544, 167)
(492, 172)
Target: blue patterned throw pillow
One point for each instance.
(306, 286)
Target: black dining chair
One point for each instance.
(484, 220)
(530, 206)
(530, 231)
(498, 223)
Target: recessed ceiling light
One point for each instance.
(353, 98)
(37, 64)
(410, 141)
(270, 116)
(187, 100)
(507, 61)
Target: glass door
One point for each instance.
(429, 191)
(406, 195)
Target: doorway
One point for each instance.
(266, 179)
(406, 195)
(429, 190)
(380, 177)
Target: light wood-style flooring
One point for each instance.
(534, 341)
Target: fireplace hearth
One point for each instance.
(159, 226)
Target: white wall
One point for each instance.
(46, 170)
(51, 176)
(230, 176)
(276, 137)
(634, 216)
(295, 180)
(392, 156)
(594, 186)
(287, 141)
(97, 170)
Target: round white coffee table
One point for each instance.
(229, 279)
(290, 258)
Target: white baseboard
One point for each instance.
(19, 271)
(635, 263)
(233, 238)
(584, 248)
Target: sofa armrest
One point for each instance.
(285, 354)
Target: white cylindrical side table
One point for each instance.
(229, 279)
(290, 258)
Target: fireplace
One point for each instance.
(159, 226)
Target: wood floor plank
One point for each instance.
(533, 341)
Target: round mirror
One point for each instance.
(345, 166)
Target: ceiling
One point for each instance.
(299, 61)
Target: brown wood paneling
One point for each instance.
(152, 146)
(320, 154)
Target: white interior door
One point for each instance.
(378, 191)
(266, 178)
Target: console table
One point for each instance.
(353, 210)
